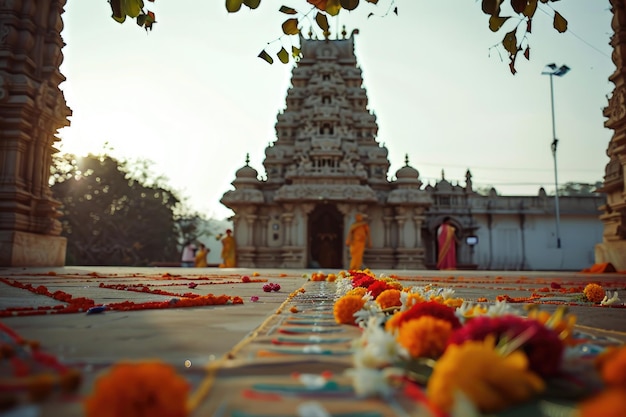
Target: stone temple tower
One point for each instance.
(326, 166)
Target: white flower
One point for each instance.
(370, 382)
(376, 347)
(501, 308)
(447, 293)
(609, 301)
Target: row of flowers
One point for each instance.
(73, 304)
(477, 356)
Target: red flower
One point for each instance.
(544, 349)
(428, 308)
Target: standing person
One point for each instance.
(188, 259)
(446, 237)
(358, 238)
(201, 255)
(229, 250)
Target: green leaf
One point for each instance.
(283, 55)
(496, 22)
(290, 27)
(510, 42)
(265, 56)
(322, 21)
(287, 10)
(295, 51)
(560, 23)
(233, 6)
(349, 4)
(253, 4)
(333, 7)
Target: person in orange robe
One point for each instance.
(201, 255)
(229, 251)
(358, 238)
(446, 258)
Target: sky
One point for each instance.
(193, 97)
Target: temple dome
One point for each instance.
(407, 174)
(247, 171)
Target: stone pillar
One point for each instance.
(33, 109)
(613, 246)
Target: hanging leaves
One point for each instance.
(530, 9)
(319, 4)
(253, 4)
(527, 53)
(519, 5)
(266, 57)
(290, 27)
(322, 21)
(496, 22)
(349, 4)
(491, 7)
(373, 1)
(295, 51)
(333, 7)
(233, 6)
(510, 42)
(283, 55)
(287, 10)
(560, 23)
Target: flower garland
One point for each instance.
(35, 375)
(490, 356)
(83, 304)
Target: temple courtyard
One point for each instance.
(141, 313)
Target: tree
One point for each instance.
(110, 216)
(515, 15)
(579, 188)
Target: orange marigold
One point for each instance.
(492, 382)
(345, 308)
(360, 291)
(612, 366)
(593, 292)
(141, 389)
(608, 403)
(389, 298)
(425, 336)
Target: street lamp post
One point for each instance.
(553, 70)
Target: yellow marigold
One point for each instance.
(608, 403)
(389, 298)
(413, 298)
(559, 321)
(453, 302)
(331, 277)
(594, 293)
(139, 389)
(612, 366)
(345, 308)
(360, 291)
(425, 336)
(392, 283)
(491, 381)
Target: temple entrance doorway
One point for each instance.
(325, 236)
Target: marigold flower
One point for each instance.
(593, 292)
(608, 403)
(360, 291)
(428, 308)
(389, 298)
(424, 337)
(492, 382)
(612, 366)
(345, 308)
(377, 287)
(139, 389)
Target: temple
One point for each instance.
(327, 165)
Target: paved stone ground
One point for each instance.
(202, 335)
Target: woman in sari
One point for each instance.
(446, 238)
(358, 238)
